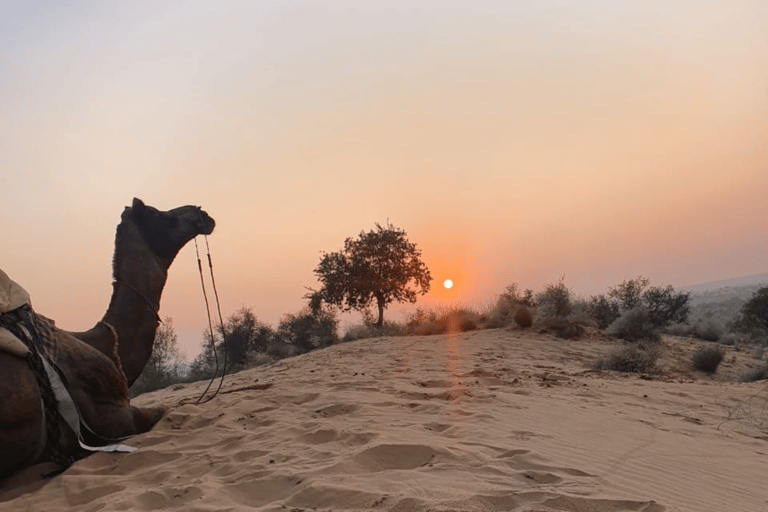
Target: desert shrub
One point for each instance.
(635, 358)
(707, 359)
(666, 306)
(707, 331)
(279, 348)
(503, 311)
(634, 325)
(360, 331)
(309, 329)
(603, 310)
(760, 373)
(561, 327)
(443, 321)
(555, 300)
(523, 317)
(255, 359)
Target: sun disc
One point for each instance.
(448, 283)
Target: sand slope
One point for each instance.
(491, 420)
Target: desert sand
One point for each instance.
(486, 421)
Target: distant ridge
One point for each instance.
(754, 279)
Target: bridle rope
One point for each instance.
(137, 292)
(210, 323)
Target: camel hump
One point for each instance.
(12, 295)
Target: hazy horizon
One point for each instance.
(513, 142)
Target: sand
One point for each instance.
(489, 420)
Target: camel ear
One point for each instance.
(138, 210)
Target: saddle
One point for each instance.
(12, 297)
(41, 350)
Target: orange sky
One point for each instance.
(514, 143)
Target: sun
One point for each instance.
(448, 283)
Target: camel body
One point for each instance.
(99, 365)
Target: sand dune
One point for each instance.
(486, 421)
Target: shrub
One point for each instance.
(308, 329)
(603, 310)
(760, 373)
(708, 331)
(503, 311)
(555, 300)
(360, 331)
(707, 359)
(637, 358)
(665, 306)
(443, 321)
(523, 317)
(634, 325)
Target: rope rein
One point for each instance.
(210, 323)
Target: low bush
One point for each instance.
(443, 321)
(523, 317)
(707, 359)
(308, 330)
(707, 331)
(634, 325)
(360, 331)
(502, 313)
(635, 358)
(603, 310)
(555, 300)
(760, 373)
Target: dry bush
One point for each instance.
(560, 327)
(707, 331)
(443, 320)
(255, 359)
(360, 331)
(760, 373)
(635, 358)
(503, 311)
(707, 359)
(523, 317)
(635, 325)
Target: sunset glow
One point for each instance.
(597, 141)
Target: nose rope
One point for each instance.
(210, 323)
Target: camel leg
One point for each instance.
(22, 434)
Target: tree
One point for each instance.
(753, 319)
(165, 366)
(380, 266)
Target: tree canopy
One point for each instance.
(379, 266)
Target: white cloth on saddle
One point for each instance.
(12, 296)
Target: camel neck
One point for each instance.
(139, 277)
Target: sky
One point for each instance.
(513, 141)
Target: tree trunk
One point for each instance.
(380, 321)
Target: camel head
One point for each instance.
(167, 232)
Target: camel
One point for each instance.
(98, 365)
(146, 243)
